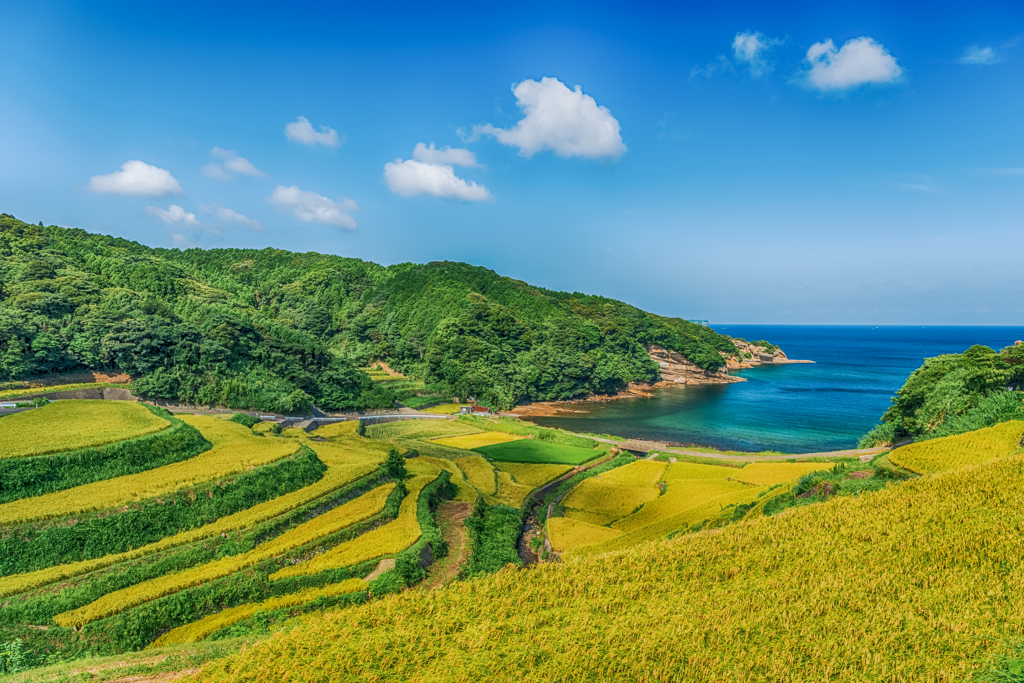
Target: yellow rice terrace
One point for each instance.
(280, 552)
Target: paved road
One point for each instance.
(664, 448)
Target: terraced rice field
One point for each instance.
(348, 458)
(535, 451)
(389, 539)
(235, 449)
(471, 441)
(773, 473)
(426, 428)
(532, 475)
(125, 596)
(602, 502)
(197, 630)
(479, 473)
(952, 452)
(912, 583)
(72, 425)
(569, 533)
(339, 518)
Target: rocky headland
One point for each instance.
(675, 370)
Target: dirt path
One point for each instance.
(451, 517)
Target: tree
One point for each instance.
(394, 465)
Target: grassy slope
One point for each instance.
(930, 583)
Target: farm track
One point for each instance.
(451, 517)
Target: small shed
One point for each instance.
(465, 410)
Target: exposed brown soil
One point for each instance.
(451, 517)
(386, 368)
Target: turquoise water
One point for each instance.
(790, 408)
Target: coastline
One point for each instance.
(637, 390)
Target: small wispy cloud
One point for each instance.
(173, 214)
(1006, 171)
(232, 163)
(751, 48)
(302, 131)
(310, 207)
(226, 215)
(976, 54)
(720, 65)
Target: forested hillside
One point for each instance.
(275, 330)
(955, 393)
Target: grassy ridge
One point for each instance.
(755, 601)
(26, 477)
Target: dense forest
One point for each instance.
(953, 394)
(280, 331)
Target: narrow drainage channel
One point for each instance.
(526, 553)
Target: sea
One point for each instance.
(798, 408)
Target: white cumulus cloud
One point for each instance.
(302, 131)
(136, 178)
(858, 61)
(173, 214)
(975, 54)
(565, 121)
(232, 164)
(453, 157)
(751, 48)
(411, 177)
(310, 207)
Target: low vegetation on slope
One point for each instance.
(916, 582)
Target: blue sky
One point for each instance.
(852, 163)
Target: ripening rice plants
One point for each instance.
(471, 441)
(479, 473)
(72, 425)
(916, 582)
(645, 473)
(540, 452)
(347, 459)
(680, 496)
(328, 523)
(773, 473)
(569, 533)
(951, 452)
(510, 492)
(615, 494)
(419, 429)
(389, 539)
(235, 449)
(687, 470)
(198, 630)
(602, 502)
(465, 493)
(532, 475)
